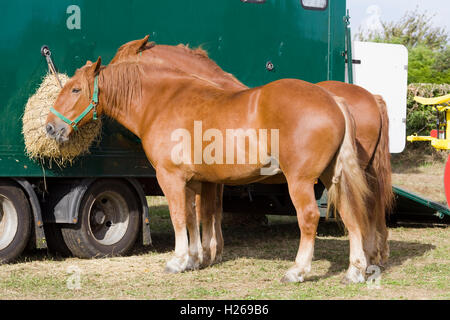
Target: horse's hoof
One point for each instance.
(170, 270)
(292, 278)
(345, 280)
(174, 266)
(218, 259)
(193, 264)
(353, 275)
(206, 261)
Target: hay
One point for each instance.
(38, 145)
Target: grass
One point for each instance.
(255, 259)
(421, 170)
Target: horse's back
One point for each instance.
(365, 111)
(357, 97)
(308, 117)
(303, 101)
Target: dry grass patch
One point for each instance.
(255, 259)
(421, 170)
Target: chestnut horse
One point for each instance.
(372, 135)
(316, 140)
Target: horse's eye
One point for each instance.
(75, 90)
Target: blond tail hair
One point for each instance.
(349, 189)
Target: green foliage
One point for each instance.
(422, 119)
(428, 66)
(421, 61)
(429, 54)
(442, 65)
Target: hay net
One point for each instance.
(38, 145)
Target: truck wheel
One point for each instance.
(15, 221)
(108, 221)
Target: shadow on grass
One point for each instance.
(279, 241)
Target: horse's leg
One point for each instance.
(302, 195)
(195, 248)
(218, 237)
(174, 189)
(358, 260)
(209, 212)
(198, 207)
(382, 237)
(375, 244)
(377, 225)
(207, 209)
(370, 240)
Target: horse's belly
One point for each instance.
(234, 174)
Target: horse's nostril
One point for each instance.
(50, 129)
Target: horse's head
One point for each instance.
(76, 103)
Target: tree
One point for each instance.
(421, 61)
(413, 29)
(429, 54)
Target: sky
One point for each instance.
(368, 13)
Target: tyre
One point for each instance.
(15, 221)
(108, 221)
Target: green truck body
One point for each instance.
(241, 36)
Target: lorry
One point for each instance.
(99, 202)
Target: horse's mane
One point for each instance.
(199, 51)
(202, 54)
(132, 50)
(122, 83)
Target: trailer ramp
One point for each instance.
(415, 207)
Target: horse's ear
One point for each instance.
(140, 44)
(145, 40)
(95, 67)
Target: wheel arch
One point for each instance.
(27, 188)
(145, 218)
(66, 209)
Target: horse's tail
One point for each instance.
(381, 162)
(349, 189)
(381, 183)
